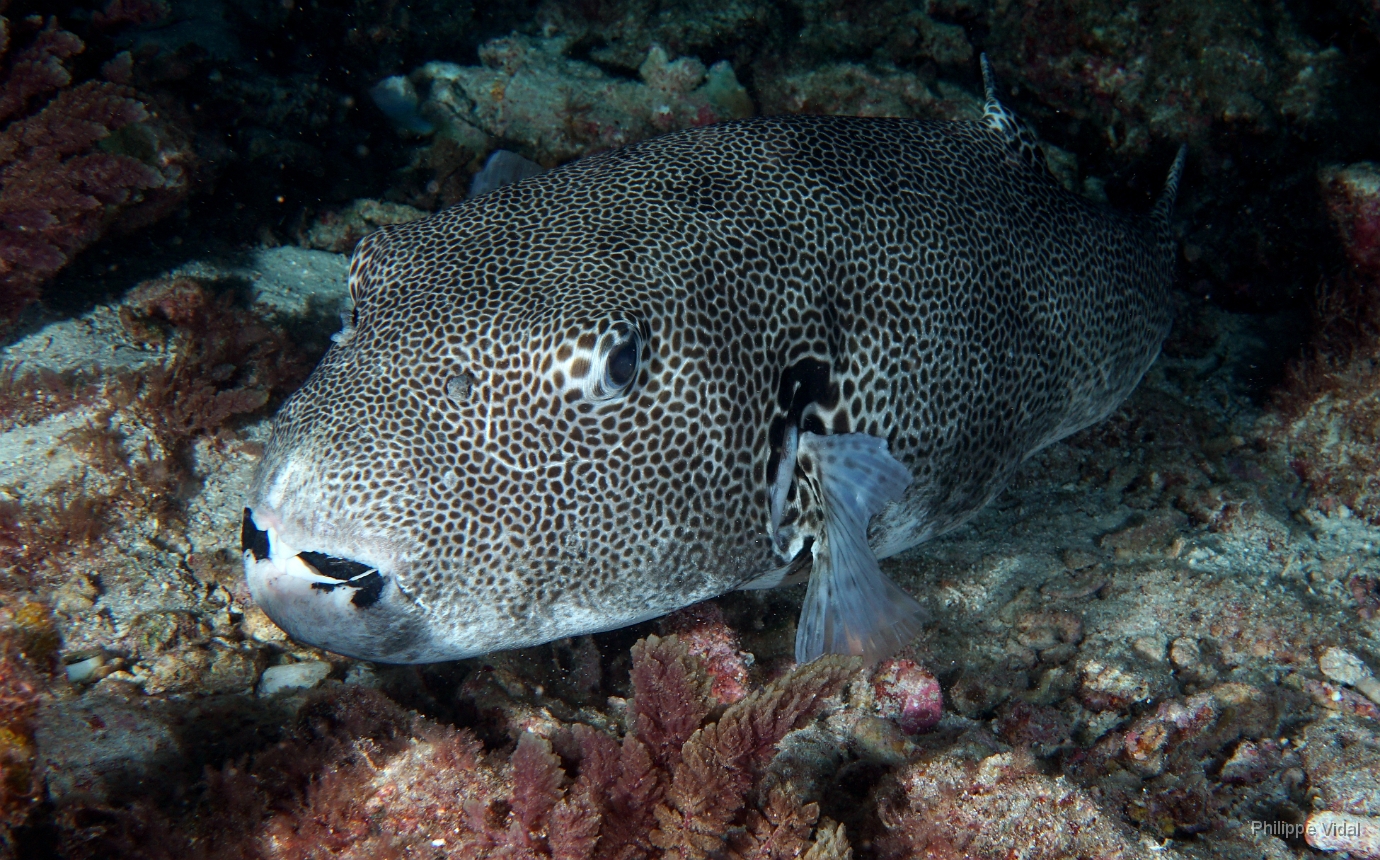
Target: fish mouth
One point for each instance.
(325, 572)
(339, 604)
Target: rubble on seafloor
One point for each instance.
(1161, 640)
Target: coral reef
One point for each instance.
(1328, 421)
(1114, 68)
(960, 805)
(1159, 641)
(553, 108)
(339, 231)
(76, 159)
(854, 89)
(1242, 84)
(621, 32)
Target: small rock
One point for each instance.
(1358, 835)
(293, 676)
(1346, 668)
(1341, 758)
(1343, 666)
(363, 675)
(1250, 763)
(1146, 744)
(1145, 536)
(1336, 698)
(907, 693)
(881, 740)
(1107, 686)
(1026, 723)
(86, 670)
(707, 636)
(259, 627)
(1184, 653)
(1352, 197)
(1149, 647)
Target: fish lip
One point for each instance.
(268, 536)
(334, 602)
(386, 628)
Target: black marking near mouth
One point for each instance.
(367, 581)
(335, 568)
(253, 538)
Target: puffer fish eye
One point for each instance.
(616, 359)
(622, 364)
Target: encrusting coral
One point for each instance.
(359, 776)
(76, 158)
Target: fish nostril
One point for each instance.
(253, 538)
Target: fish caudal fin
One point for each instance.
(851, 607)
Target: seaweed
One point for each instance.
(30, 396)
(226, 363)
(65, 184)
(357, 775)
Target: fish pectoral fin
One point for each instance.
(781, 577)
(793, 572)
(851, 607)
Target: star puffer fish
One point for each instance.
(730, 357)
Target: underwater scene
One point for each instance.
(747, 429)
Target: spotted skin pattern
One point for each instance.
(921, 282)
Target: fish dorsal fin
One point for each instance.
(1004, 122)
(503, 168)
(1164, 206)
(851, 607)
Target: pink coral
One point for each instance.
(909, 694)
(707, 636)
(358, 776)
